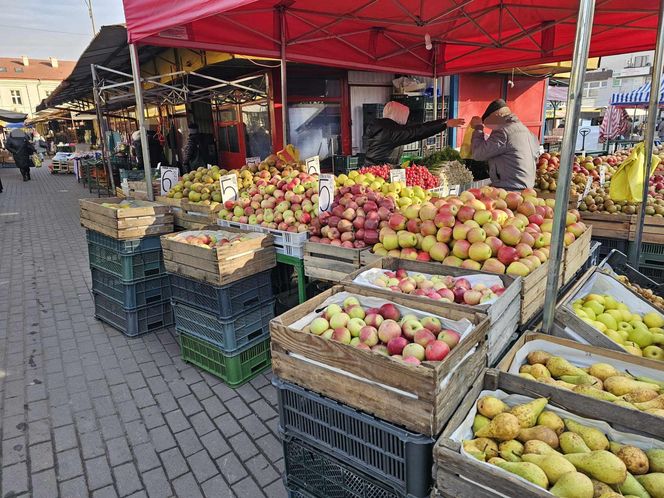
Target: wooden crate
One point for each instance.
(141, 220)
(653, 229)
(576, 255)
(168, 201)
(330, 263)
(222, 265)
(533, 291)
(411, 396)
(613, 226)
(503, 314)
(208, 209)
(367, 258)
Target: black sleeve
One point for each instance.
(406, 134)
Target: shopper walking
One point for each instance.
(21, 148)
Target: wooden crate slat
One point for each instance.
(576, 255)
(614, 226)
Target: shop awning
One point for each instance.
(389, 35)
(12, 117)
(638, 97)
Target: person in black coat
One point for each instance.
(386, 137)
(193, 155)
(21, 149)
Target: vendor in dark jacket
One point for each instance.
(385, 137)
(21, 149)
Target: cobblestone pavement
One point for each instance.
(87, 411)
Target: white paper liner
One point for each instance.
(180, 236)
(465, 430)
(365, 279)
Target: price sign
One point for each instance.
(397, 175)
(253, 161)
(125, 187)
(209, 166)
(325, 193)
(602, 175)
(229, 189)
(169, 177)
(454, 190)
(313, 165)
(589, 184)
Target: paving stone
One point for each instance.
(118, 451)
(186, 486)
(202, 466)
(91, 445)
(237, 407)
(201, 423)
(276, 490)
(44, 484)
(69, 464)
(177, 421)
(262, 471)
(247, 487)
(174, 463)
(98, 472)
(145, 457)
(188, 442)
(126, 479)
(15, 479)
(107, 492)
(227, 425)
(74, 488)
(231, 467)
(161, 438)
(216, 487)
(215, 443)
(14, 451)
(111, 427)
(156, 483)
(243, 446)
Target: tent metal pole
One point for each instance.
(284, 103)
(140, 115)
(103, 127)
(649, 135)
(584, 24)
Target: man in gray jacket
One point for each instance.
(511, 150)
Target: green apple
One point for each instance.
(610, 303)
(658, 338)
(617, 314)
(608, 320)
(589, 312)
(654, 353)
(626, 315)
(624, 334)
(595, 297)
(596, 306)
(632, 348)
(641, 337)
(623, 307)
(653, 319)
(600, 326)
(615, 336)
(625, 326)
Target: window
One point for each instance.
(592, 88)
(315, 128)
(18, 69)
(617, 83)
(3, 69)
(16, 97)
(641, 60)
(257, 138)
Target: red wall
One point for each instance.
(526, 99)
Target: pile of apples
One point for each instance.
(287, 203)
(420, 176)
(486, 229)
(583, 168)
(441, 288)
(378, 171)
(385, 331)
(357, 215)
(209, 239)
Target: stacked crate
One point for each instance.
(222, 320)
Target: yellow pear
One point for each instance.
(655, 403)
(601, 465)
(538, 370)
(602, 371)
(511, 451)
(571, 442)
(528, 471)
(634, 458)
(479, 421)
(540, 432)
(526, 376)
(527, 413)
(594, 438)
(552, 421)
(594, 393)
(654, 484)
(619, 385)
(559, 366)
(503, 427)
(573, 485)
(600, 488)
(554, 466)
(537, 447)
(639, 396)
(483, 445)
(490, 406)
(538, 357)
(656, 459)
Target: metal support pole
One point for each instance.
(284, 104)
(103, 128)
(584, 24)
(140, 114)
(649, 135)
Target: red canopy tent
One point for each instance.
(389, 35)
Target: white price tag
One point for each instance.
(454, 190)
(169, 177)
(253, 161)
(589, 185)
(229, 189)
(602, 175)
(313, 165)
(397, 175)
(209, 166)
(325, 193)
(125, 187)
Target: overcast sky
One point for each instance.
(57, 28)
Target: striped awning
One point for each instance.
(638, 97)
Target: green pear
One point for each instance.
(529, 471)
(482, 444)
(528, 412)
(656, 403)
(625, 404)
(614, 447)
(552, 421)
(511, 451)
(490, 406)
(571, 442)
(573, 485)
(656, 459)
(640, 396)
(503, 427)
(540, 432)
(602, 465)
(619, 385)
(559, 366)
(602, 371)
(554, 466)
(537, 447)
(594, 393)
(539, 371)
(526, 376)
(600, 488)
(650, 380)
(654, 483)
(594, 438)
(479, 422)
(632, 487)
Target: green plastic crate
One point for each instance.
(235, 369)
(128, 268)
(652, 254)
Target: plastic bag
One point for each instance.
(627, 181)
(466, 151)
(36, 160)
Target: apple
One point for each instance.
(327, 334)
(523, 250)
(480, 251)
(439, 251)
(412, 360)
(342, 334)
(493, 265)
(355, 325)
(472, 297)
(339, 320)
(510, 235)
(460, 249)
(413, 350)
(396, 345)
(482, 216)
(361, 345)
(444, 234)
(318, 326)
(373, 319)
(460, 232)
(432, 323)
(517, 268)
(421, 336)
(476, 235)
(332, 310)
(390, 312)
(507, 255)
(450, 337)
(380, 349)
(389, 329)
(368, 335)
(436, 350)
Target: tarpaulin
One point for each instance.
(389, 35)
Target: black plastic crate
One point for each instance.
(392, 455)
(654, 272)
(617, 262)
(133, 322)
(224, 301)
(125, 247)
(610, 244)
(312, 472)
(228, 335)
(141, 293)
(651, 254)
(128, 268)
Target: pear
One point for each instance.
(571, 442)
(565, 385)
(573, 485)
(496, 460)
(529, 471)
(479, 421)
(537, 447)
(625, 404)
(640, 396)
(525, 369)
(650, 380)
(612, 494)
(541, 433)
(503, 427)
(470, 448)
(594, 438)
(634, 458)
(655, 411)
(632, 487)
(622, 385)
(602, 465)
(559, 366)
(594, 393)
(539, 371)
(600, 488)
(490, 406)
(528, 412)
(602, 371)
(554, 466)
(654, 483)
(483, 444)
(552, 421)
(526, 376)
(657, 403)
(614, 447)
(656, 459)
(582, 380)
(511, 450)
(535, 357)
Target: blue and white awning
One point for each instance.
(638, 97)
